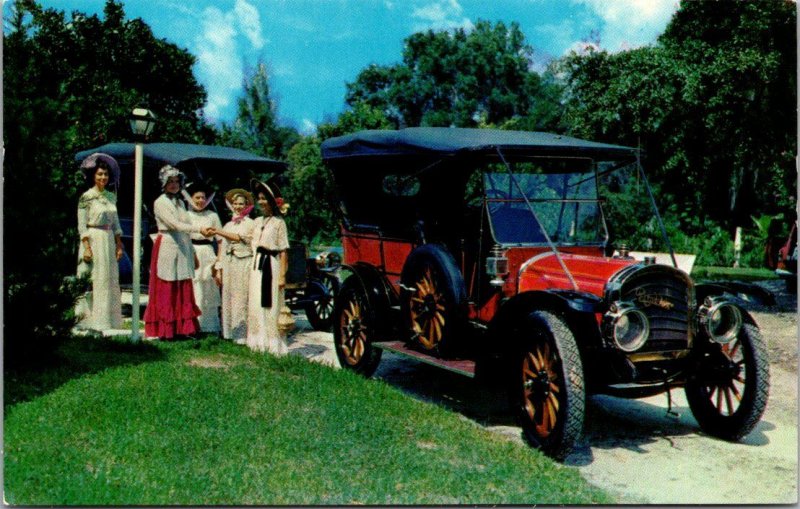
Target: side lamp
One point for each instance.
(497, 266)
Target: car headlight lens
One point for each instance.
(627, 326)
(721, 319)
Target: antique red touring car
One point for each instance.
(487, 252)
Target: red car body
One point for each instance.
(486, 252)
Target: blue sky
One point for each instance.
(313, 47)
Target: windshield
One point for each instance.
(566, 204)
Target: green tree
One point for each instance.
(256, 128)
(70, 84)
(740, 63)
(314, 213)
(460, 78)
(712, 104)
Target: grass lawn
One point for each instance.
(734, 274)
(211, 423)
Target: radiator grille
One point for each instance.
(665, 296)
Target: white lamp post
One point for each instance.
(142, 122)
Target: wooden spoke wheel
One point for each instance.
(353, 331)
(729, 392)
(433, 303)
(428, 311)
(541, 386)
(547, 391)
(320, 311)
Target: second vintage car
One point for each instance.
(487, 253)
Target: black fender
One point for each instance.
(745, 292)
(380, 294)
(578, 309)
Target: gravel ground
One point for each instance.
(634, 448)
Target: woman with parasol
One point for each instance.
(101, 245)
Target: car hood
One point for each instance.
(590, 273)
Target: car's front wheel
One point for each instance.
(547, 388)
(354, 329)
(729, 392)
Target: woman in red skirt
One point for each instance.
(171, 310)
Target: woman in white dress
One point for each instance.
(268, 272)
(234, 259)
(101, 245)
(206, 291)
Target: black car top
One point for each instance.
(184, 155)
(446, 141)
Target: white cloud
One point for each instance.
(441, 15)
(249, 22)
(308, 128)
(630, 23)
(219, 47)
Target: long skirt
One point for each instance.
(263, 334)
(235, 274)
(206, 291)
(171, 310)
(101, 307)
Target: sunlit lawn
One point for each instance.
(211, 423)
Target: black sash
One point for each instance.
(202, 242)
(266, 275)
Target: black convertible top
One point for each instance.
(180, 154)
(447, 141)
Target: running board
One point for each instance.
(461, 366)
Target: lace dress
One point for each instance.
(236, 259)
(101, 307)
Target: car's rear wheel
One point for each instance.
(320, 310)
(729, 393)
(434, 300)
(547, 389)
(354, 329)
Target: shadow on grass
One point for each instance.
(476, 400)
(75, 357)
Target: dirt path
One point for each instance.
(633, 448)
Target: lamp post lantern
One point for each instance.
(142, 123)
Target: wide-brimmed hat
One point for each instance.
(89, 165)
(273, 194)
(168, 171)
(248, 196)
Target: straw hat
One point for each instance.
(273, 194)
(248, 196)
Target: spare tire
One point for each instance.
(433, 300)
